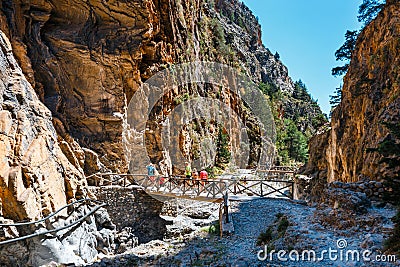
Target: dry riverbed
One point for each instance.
(266, 225)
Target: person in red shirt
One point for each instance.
(203, 176)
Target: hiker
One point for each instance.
(188, 173)
(195, 176)
(151, 171)
(188, 170)
(203, 176)
(164, 172)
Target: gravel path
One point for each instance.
(250, 219)
(305, 232)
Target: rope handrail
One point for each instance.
(49, 216)
(53, 230)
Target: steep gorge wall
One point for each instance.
(76, 66)
(370, 96)
(86, 59)
(35, 176)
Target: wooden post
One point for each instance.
(292, 190)
(220, 220)
(226, 203)
(294, 179)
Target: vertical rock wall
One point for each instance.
(86, 59)
(371, 95)
(35, 176)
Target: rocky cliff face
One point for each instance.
(86, 59)
(36, 177)
(78, 63)
(64, 99)
(370, 96)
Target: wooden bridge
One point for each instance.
(277, 182)
(271, 182)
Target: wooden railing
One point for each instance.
(281, 184)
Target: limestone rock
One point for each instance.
(346, 199)
(370, 96)
(31, 181)
(87, 72)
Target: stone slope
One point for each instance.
(370, 96)
(36, 177)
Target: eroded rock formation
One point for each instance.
(63, 110)
(86, 59)
(36, 177)
(370, 96)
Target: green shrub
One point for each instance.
(283, 225)
(182, 98)
(264, 237)
(213, 229)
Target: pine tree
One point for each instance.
(296, 142)
(336, 97)
(344, 52)
(223, 153)
(300, 91)
(368, 10)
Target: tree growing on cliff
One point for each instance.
(300, 91)
(345, 52)
(223, 152)
(368, 10)
(268, 89)
(335, 99)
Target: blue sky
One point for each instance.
(306, 35)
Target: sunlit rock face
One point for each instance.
(85, 60)
(70, 69)
(36, 177)
(370, 96)
(77, 65)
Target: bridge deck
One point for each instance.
(276, 182)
